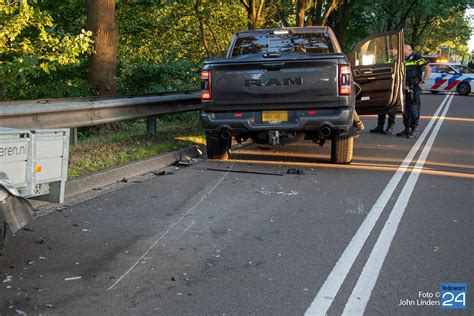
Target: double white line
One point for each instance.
(363, 289)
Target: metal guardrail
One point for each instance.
(89, 111)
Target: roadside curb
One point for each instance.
(112, 175)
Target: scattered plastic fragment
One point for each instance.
(20, 312)
(291, 193)
(73, 278)
(295, 171)
(185, 163)
(8, 279)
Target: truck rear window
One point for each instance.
(305, 43)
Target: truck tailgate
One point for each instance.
(275, 84)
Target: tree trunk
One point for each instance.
(216, 42)
(300, 12)
(341, 20)
(331, 8)
(1, 92)
(201, 28)
(318, 10)
(253, 14)
(103, 64)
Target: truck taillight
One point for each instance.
(206, 85)
(345, 82)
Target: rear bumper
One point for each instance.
(299, 120)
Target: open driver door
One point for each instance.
(379, 73)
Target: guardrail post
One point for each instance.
(73, 136)
(151, 125)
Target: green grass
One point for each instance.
(131, 143)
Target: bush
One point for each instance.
(146, 77)
(66, 82)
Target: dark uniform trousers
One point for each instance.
(411, 115)
(391, 118)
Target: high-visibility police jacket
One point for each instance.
(414, 65)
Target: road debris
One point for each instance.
(40, 241)
(62, 208)
(162, 173)
(30, 262)
(73, 278)
(185, 163)
(295, 171)
(49, 305)
(20, 312)
(8, 279)
(291, 193)
(246, 172)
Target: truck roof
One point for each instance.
(308, 29)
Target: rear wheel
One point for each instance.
(217, 148)
(342, 149)
(463, 88)
(434, 91)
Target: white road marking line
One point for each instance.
(169, 229)
(327, 293)
(363, 289)
(187, 228)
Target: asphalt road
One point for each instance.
(377, 237)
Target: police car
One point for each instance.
(450, 77)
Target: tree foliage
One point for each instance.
(161, 43)
(29, 46)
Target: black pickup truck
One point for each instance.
(280, 85)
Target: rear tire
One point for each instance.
(342, 149)
(463, 88)
(217, 148)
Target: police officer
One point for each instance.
(415, 80)
(381, 122)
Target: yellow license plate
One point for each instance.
(274, 116)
